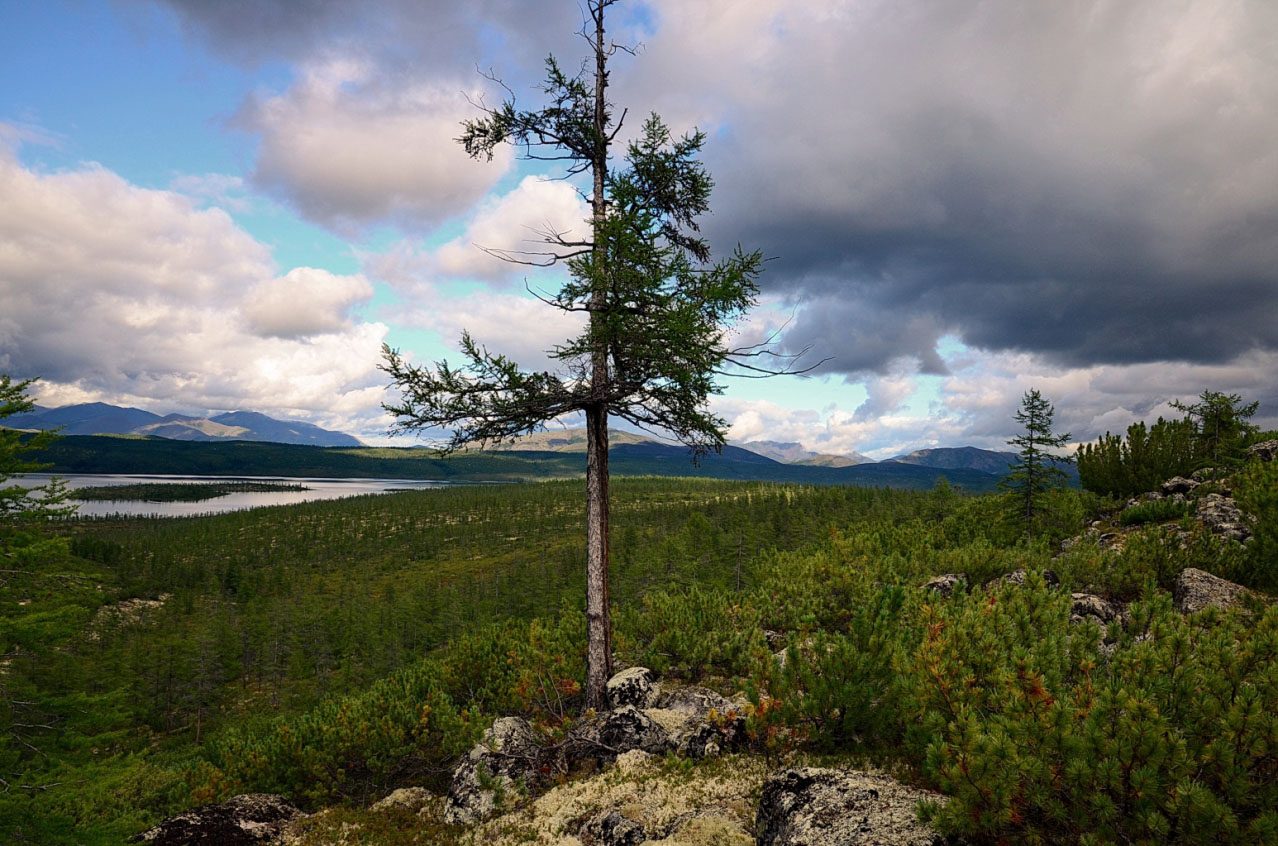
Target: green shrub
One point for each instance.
(1141, 461)
(695, 633)
(1257, 494)
(1038, 739)
(839, 688)
(1156, 511)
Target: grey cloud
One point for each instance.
(405, 36)
(1092, 182)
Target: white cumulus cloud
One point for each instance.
(134, 296)
(349, 146)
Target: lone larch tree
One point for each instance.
(659, 311)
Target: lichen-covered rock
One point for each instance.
(628, 728)
(1088, 605)
(1223, 516)
(821, 807)
(700, 722)
(248, 820)
(506, 756)
(1265, 450)
(612, 828)
(408, 798)
(1179, 485)
(945, 584)
(1196, 590)
(634, 686)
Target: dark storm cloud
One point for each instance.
(408, 34)
(1094, 182)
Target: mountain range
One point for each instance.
(552, 452)
(98, 418)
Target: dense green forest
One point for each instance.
(333, 650)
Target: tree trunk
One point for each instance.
(598, 612)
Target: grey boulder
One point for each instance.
(247, 820)
(822, 807)
(1195, 590)
(634, 686)
(506, 757)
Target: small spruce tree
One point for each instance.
(1035, 472)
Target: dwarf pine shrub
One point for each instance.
(1156, 511)
(1038, 738)
(1257, 493)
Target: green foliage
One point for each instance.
(1154, 511)
(1140, 461)
(840, 688)
(1038, 739)
(1221, 427)
(1035, 471)
(1256, 489)
(337, 650)
(22, 503)
(695, 633)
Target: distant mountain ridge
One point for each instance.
(98, 418)
(949, 458)
(792, 452)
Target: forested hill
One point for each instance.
(104, 454)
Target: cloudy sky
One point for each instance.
(215, 206)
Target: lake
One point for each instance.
(317, 489)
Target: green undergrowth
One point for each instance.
(333, 652)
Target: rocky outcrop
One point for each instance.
(700, 722)
(1222, 515)
(822, 807)
(248, 820)
(1178, 485)
(1087, 606)
(503, 761)
(1265, 450)
(1196, 590)
(627, 728)
(635, 686)
(946, 584)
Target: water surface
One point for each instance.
(316, 489)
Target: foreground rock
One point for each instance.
(821, 807)
(708, 805)
(700, 722)
(248, 820)
(505, 758)
(635, 686)
(1196, 590)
